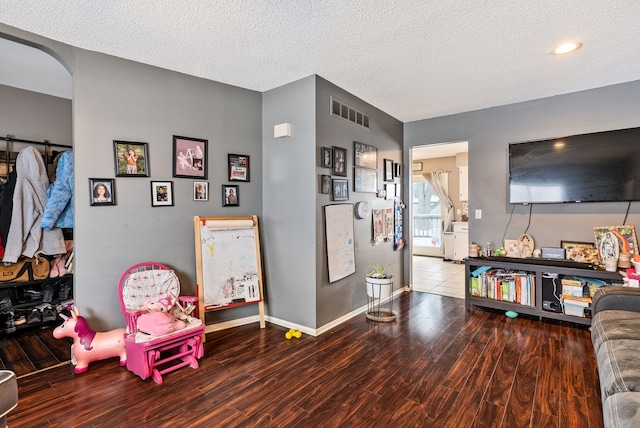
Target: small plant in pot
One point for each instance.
(380, 293)
(379, 282)
(378, 271)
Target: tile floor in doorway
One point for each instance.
(436, 276)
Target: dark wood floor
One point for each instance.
(436, 366)
(31, 350)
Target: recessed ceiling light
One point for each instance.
(566, 48)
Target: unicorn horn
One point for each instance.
(64, 317)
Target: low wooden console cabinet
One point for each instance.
(536, 286)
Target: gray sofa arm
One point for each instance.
(618, 298)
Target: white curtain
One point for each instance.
(439, 181)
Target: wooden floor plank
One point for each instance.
(437, 365)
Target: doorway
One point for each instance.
(430, 227)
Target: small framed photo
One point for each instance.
(578, 251)
(161, 193)
(102, 191)
(511, 246)
(189, 157)
(325, 184)
(238, 167)
(131, 159)
(416, 166)
(339, 161)
(388, 170)
(326, 157)
(200, 191)
(397, 169)
(230, 196)
(340, 189)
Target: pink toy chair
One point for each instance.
(149, 355)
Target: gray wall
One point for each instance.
(115, 99)
(32, 116)
(490, 131)
(289, 188)
(341, 297)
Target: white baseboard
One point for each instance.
(210, 328)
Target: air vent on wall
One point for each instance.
(352, 115)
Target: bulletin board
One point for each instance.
(228, 263)
(340, 245)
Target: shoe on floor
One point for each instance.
(8, 324)
(34, 317)
(49, 314)
(19, 319)
(5, 304)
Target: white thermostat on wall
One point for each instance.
(362, 209)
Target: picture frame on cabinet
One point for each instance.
(102, 191)
(131, 159)
(238, 167)
(201, 191)
(577, 251)
(161, 193)
(189, 157)
(326, 157)
(230, 195)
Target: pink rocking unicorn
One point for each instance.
(88, 345)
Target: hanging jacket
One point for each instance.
(26, 236)
(6, 207)
(58, 211)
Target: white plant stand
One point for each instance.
(380, 299)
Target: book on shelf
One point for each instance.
(504, 285)
(574, 305)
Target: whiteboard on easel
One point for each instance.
(228, 261)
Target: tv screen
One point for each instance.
(598, 167)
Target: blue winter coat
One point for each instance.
(58, 211)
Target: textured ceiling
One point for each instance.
(412, 59)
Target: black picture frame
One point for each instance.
(325, 184)
(162, 193)
(339, 167)
(340, 189)
(388, 170)
(326, 157)
(365, 180)
(365, 156)
(238, 166)
(102, 191)
(131, 158)
(397, 170)
(190, 157)
(230, 195)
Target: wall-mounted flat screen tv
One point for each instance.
(597, 167)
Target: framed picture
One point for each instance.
(612, 240)
(131, 159)
(339, 161)
(161, 193)
(230, 196)
(365, 156)
(511, 246)
(326, 157)
(340, 188)
(397, 170)
(238, 167)
(200, 191)
(388, 170)
(325, 184)
(578, 251)
(102, 191)
(365, 180)
(189, 157)
(416, 166)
